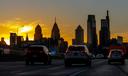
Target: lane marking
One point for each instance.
(76, 73)
(123, 71)
(36, 71)
(65, 72)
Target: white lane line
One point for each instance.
(65, 72)
(75, 74)
(98, 62)
(54, 68)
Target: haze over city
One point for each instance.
(63, 37)
(21, 16)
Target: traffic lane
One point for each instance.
(124, 68)
(60, 70)
(53, 71)
(95, 63)
(56, 69)
(11, 68)
(19, 69)
(105, 70)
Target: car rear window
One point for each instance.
(79, 48)
(116, 52)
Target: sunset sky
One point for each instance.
(24, 15)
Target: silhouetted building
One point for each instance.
(114, 41)
(20, 39)
(74, 41)
(2, 42)
(38, 33)
(27, 39)
(13, 39)
(108, 20)
(91, 33)
(55, 32)
(104, 33)
(63, 45)
(120, 39)
(79, 36)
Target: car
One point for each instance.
(116, 56)
(37, 53)
(99, 56)
(77, 54)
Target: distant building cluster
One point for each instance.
(92, 39)
(57, 44)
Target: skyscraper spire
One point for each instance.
(55, 19)
(107, 18)
(55, 31)
(107, 13)
(27, 39)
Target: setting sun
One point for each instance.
(7, 41)
(25, 29)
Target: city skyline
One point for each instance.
(25, 15)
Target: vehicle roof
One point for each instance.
(116, 49)
(78, 45)
(44, 47)
(37, 46)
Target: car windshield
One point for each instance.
(76, 48)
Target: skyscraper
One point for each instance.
(38, 33)
(108, 21)
(91, 32)
(13, 39)
(79, 36)
(19, 40)
(55, 35)
(104, 35)
(105, 31)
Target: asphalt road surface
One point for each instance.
(99, 68)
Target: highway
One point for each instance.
(99, 67)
